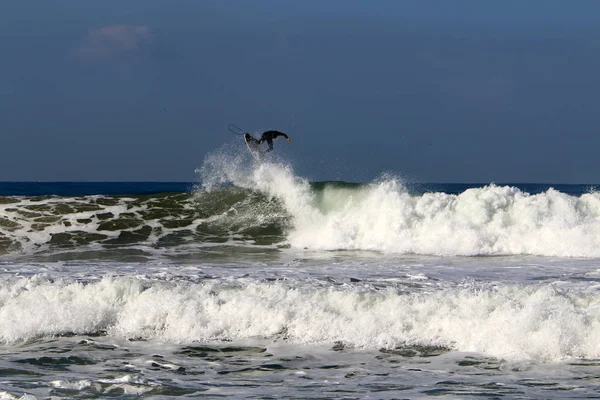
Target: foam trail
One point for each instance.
(540, 323)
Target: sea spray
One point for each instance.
(275, 180)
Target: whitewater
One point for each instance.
(259, 283)
(384, 216)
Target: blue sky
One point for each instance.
(432, 91)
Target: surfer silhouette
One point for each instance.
(268, 137)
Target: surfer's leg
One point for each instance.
(270, 143)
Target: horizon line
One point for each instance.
(324, 181)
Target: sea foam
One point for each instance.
(384, 216)
(491, 220)
(541, 323)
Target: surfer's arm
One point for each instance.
(277, 133)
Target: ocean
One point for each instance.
(254, 282)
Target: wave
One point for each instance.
(384, 216)
(240, 203)
(100, 223)
(485, 221)
(542, 323)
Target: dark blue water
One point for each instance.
(90, 188)
(142, 188)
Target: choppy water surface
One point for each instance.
(304, 327)
(92, 367)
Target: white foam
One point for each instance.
(8, 396)
(383, 216)
(72, 385)
(543, 323)
(487, 221)
(36, 307)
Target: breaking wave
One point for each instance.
(512, 322)
(385, 216)
(238, 203)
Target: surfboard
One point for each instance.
(253, 147)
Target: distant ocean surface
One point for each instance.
(90, 188)
(143, 188)
(255, 283)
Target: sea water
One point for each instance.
(256, 283)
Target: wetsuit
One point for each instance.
(268, 136)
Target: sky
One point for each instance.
(430, 91)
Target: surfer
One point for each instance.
(268, 136)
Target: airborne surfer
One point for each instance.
(268, 136)
(253, 143)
